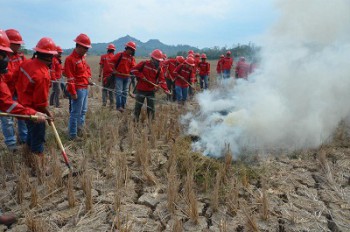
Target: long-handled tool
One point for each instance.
(58, 140)
(182, 78)
(30, 117)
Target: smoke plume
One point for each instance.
(296, 98)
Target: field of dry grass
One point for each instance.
(146, 178)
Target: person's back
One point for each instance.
(242, 68)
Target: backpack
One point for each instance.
(110, 82)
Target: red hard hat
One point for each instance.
(110, 47)
(197, 55)
(222, 56)
(164, 56)
(203, 56)
(157, 55)
(180, 59)
(131, 44)
(190, 52)
(190, 61)
(228, 52)
(47, 46)
(59, 49)
(190, 55)
(14, 36)
(242, 58)
(83, 40)
(4, 42)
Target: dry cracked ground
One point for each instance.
(145, 177)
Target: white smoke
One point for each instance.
(298, 96)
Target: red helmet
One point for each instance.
(203, 56)
(190, 61)
(180, 59)
(4, 42)
(157, 55)
(228, 53)
(110, 47)
(59, 49)
(164, 56)
(190, 55)
(242, 58)
(83, 40)
(14, 36)
(222, 56)
(131, 44)
(47, 46)
(190, 52)
(197, 55)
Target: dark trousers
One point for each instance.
(140, 98)
(171, 86)
(110, 93)
(36, 136)
(54, 97)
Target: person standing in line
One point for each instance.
(33, 91)
(169, 67)
(104, 73)
(184, 78)
(123, 63)
(15, 58)
(56, 76)
(219, 65)
(242, 68)
(227, 64)
(204, 71)
(150, 78)
(78, 75)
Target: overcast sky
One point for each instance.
(200, 23)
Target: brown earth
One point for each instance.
(146, 178)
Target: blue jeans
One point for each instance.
(204, 81)
(36, 136)
(8, 131)
(121, 89)
(78, 112)
(181, 93)
(226, 73)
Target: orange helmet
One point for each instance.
(131, 45)
(83, 40)
(110, 47)
(190, 61)
(180, 59)
(4, 42)
(59, 49)
(203, 56)
(190, 52)
(157, 55)
(47, 46)
(14, 36)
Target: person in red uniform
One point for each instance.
(33, 90)
(78, 74)
(7, 123)
(105, 72)
(55, 77)
(169, 68)
(8, 105)
(219, 65)
(242, 68)
(184, 77)
(227, 64)
(204, 71)
(123, 63)
(150, 78)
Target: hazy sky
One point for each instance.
(204, 23)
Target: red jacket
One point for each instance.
(8, 105)
(227, 63)
(219, 65)
(57, 63)
(107, 65)
(33, 84)
(146, 70)
(15, 60)
(242, 69)
(77, 71)
(186, 72)
(169, 68)
(204, 68)
(127, 62)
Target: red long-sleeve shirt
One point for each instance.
(107, 66)
(15, 60)
(33, 84)
(186, 72)
(77, 71)
(8, 105)
(126, 63)
(219, 65)
(227, 63)
(57, 63)
(169, 68)
(204, 68)
(242, 69)
(147, 70)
